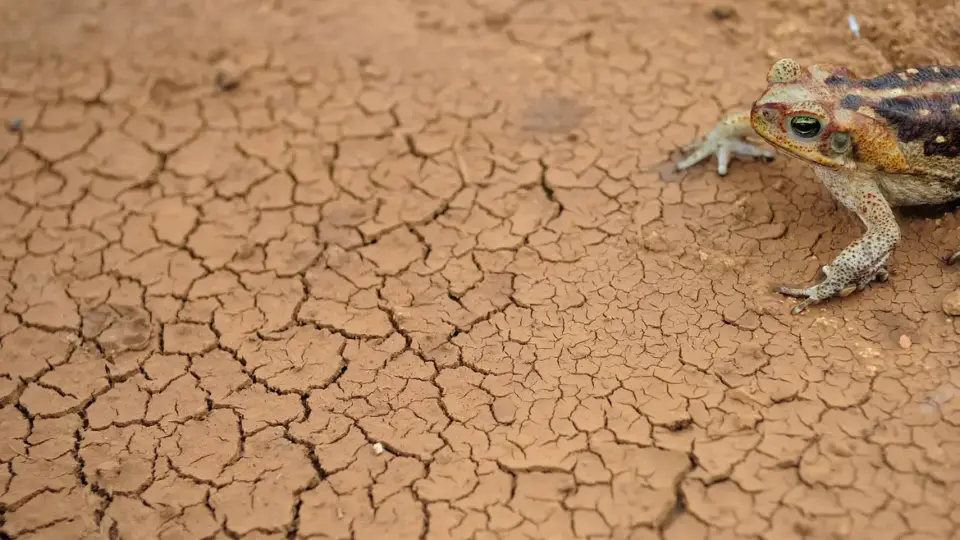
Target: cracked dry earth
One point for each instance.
(416, 270)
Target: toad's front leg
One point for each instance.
(865, 260)
(726, 140)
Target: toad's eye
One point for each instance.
(805, 126)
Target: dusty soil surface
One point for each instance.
(393, 269)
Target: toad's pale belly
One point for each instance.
(907, 190)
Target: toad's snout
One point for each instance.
(765, 119)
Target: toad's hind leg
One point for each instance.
(864, 260)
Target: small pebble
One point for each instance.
(15, 125)
(951, 304)
(905, 341)
(246, 251)
(226, 82)
(378, 448)
(722, 13)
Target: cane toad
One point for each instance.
(876, 143)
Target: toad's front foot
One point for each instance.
(725, 141)
(831, 285)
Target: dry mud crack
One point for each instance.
(395, 269)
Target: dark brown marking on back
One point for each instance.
(838, 80)
(840, 76)
(909, 78)
(851, 102)
(931, 119)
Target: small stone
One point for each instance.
(226, 81)
(951, 304)
(245, 251)
(15, 125)
(905, 341)
(722, 13)
(378, 448)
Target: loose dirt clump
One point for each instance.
(421, 270)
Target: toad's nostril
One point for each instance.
(768, 115)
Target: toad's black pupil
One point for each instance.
(805, 126)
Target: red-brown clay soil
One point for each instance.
(416, 269)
